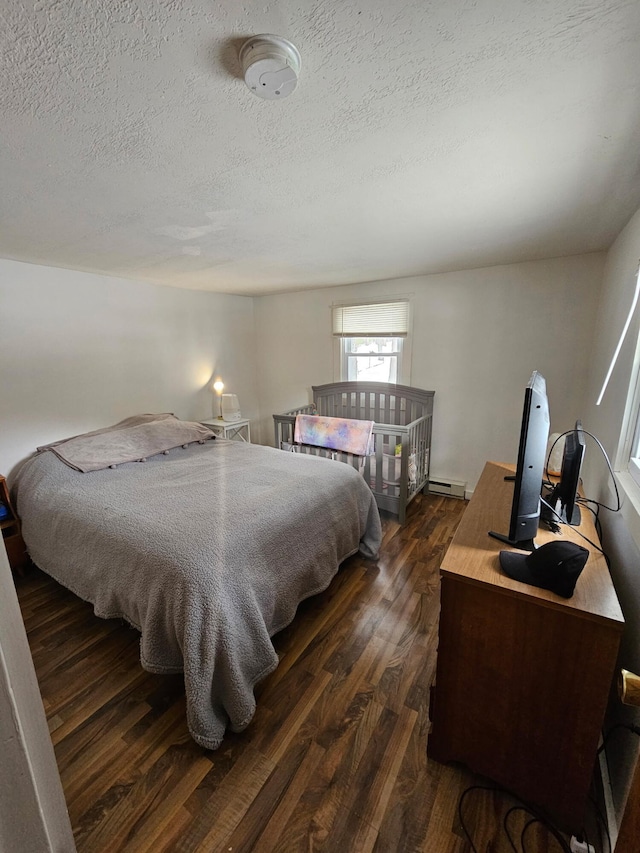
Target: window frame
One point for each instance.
(632, 454)
(629, 442)
(626, 471)
(347, 355)
(340, 372)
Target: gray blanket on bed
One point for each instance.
(207, 550)
(130, 440)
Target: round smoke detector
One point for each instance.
(270, 65)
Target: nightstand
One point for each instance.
(234, 430)
(10, 526)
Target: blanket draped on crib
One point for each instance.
(346, 434)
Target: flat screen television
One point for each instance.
(563, 498)
(532, 451)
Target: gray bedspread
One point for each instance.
(207, 550)
(130, 440)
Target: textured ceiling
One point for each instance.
(423, 136)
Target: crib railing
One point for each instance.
(402, 419)
(394, 491)
(284, 425)
(381, 402)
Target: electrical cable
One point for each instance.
(505, 822)
(598, 526)
(612, 475)
(609, 466)
(593, 544)
(463, 796)
(561, 522)
(596, 518)
(554, 525)
(551, 523)
(594, 512)
(558, 837)
(537, 818)
(555, 834)
(524, 830)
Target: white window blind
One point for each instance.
(382, 319)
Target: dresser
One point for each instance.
(523, 676)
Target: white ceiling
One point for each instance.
(423, 136)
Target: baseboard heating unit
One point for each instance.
(449, 488)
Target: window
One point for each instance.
(372, 341)
(631, 447)
(629, 452)
(634, 463)
(627, 466)
(371, 359)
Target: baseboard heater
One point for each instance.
(450, 488)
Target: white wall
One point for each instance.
(33, 813)
(477, 337)
(606, 422)
(79, 351)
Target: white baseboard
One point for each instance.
(447, 488)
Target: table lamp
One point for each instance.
(218, 387)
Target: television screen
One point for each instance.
(532, 451)
(563, 499)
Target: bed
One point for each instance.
(206, 547)
(399, 467)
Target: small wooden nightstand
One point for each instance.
(10, 526)
(238, 430)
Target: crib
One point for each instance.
(399, 466)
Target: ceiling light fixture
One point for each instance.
(270, 65)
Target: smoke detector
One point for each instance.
(270, 65)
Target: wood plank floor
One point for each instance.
(335, 758)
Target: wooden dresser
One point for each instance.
(523, 676)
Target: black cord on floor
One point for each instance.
(505, 824)
(463, 796)
(524, 830)
(536, 817)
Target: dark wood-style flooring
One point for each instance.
(335, 758)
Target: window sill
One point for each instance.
(630, 503)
